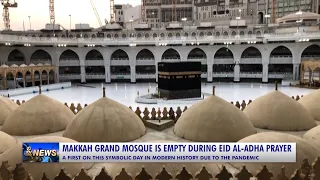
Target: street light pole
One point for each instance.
(238, 18)
(267, 21)
(54, 22)
(70, 21)
(131, 20)
(30, 22)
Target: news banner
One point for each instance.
(159, 152)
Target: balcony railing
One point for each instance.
(69, 59)
(12, 39)
(119, 59)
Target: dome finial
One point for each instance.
(276, 86)
(213, 90)
(104, 91)
(39, 89)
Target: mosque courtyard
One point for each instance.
(125, 93)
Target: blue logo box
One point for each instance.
(40, 152)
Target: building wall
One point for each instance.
(126, 12)
(132, 13)
(296, 50)
(160, 12)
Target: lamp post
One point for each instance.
(238, 18)
(30, 22)
(131, 20)
(184, 20)
(70, 21)
(81, 29)
(267, 21)
(54, 22)
(24, 29)
(300, 20)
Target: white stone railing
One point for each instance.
(12, 39)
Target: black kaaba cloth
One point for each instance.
(179, 80)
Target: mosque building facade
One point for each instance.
(227, 53)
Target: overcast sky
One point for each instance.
(80, 10)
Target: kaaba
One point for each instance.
(179, 80)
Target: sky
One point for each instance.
(80, 10)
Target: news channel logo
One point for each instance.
(40, 152)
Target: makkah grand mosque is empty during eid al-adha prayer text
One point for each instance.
(164, 71)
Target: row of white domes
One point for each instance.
(23, 65)
(210, 120)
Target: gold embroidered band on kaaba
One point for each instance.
(180, 73)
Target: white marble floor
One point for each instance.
(126, 93)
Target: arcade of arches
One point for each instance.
(26, 76)
(224, 68)
(310, 67)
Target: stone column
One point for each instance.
(32, 79)
(56, 75)
(40, 76)
(296, 72)
(48, 78)
(5, 82)
(24, 81)
(265, 73)
(107, 73)
(133, 73)
(15, 82)
(209, 73)
(236, 77)
(156, 73)
(83, 74)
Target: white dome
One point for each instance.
(313, 136)
(7, 107)
(311, 103)
(6, 142)
(213, 120)
(299, 16)
(105, 121)
(277, 111)
(39, 115)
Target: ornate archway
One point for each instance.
(16, 57)
(119, 55)
(44, 78)
(19, 80)
(223, 53)
(197, 53)
(145, 54)
(94, 55)
(310, 73)
(170, 54)
(40, 56)
(69, 55)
